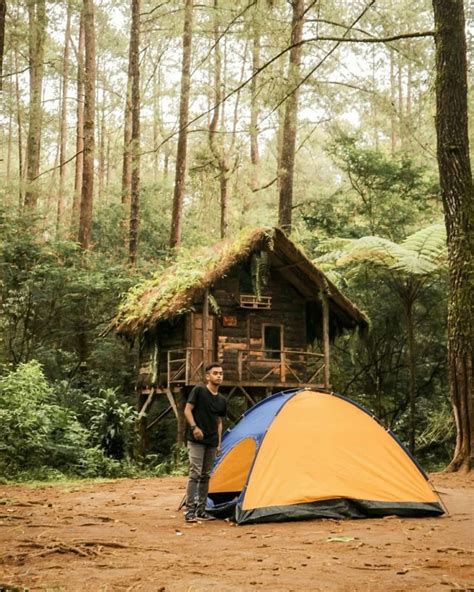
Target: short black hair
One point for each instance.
(212, 365)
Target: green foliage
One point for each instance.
(379, 196)
(175, 464)
(36, 433)
(420, 254)
(111, 423)
(54, 301)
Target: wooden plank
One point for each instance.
(170, 397)
(326, 339)
(146, 404)
(157, 419)
(205, 329)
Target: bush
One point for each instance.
(111, 423)
(41, 439)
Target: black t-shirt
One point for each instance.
(206, 411)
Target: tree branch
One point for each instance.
(338, 40)
(58, 166)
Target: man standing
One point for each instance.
(204, 411)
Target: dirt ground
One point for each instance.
(128, 535)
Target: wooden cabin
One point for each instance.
(257, 305)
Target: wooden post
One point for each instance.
(205, 320)
(326, 339)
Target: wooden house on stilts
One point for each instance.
(257, 305)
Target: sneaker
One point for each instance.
(190, 516)
(205, 516)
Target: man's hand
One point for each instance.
(198, 433)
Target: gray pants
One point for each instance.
(201, 460)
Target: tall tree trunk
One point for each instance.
(254, 153)
(401, 127)
(19, 124)
(37, 33)
(10, 134)
(63, 123)
(412, 370)
(3, 12)
(127, 140)
(101, 125)
(281, 122)
(458, 201)
(374, 97)
(135, 187)
(291, 116)
(181, 153)
(409, 105)
(79, 162)
(87, 194)
(156, 120)
(107, 161)
(218, 150)
(393, 125)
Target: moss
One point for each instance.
(171, 292)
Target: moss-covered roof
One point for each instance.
(171, 293)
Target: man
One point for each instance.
(204, 411)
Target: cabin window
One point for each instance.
(272, 341)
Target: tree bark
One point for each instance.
(393, 128)
(87, 194)
(180, 175)
(254, 152)
(135, 143)
(9, 140)
(37, 33)
(458, 202)
(291, 116)
(218, 151)
(19, 123)
(127, 140)
(63, 123)
(79, 163)
(412, 370)
(101, 139)
(3, 12)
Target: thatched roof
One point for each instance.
(172, 293)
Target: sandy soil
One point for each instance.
(128, 535)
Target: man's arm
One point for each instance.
(219, 434)
(188, 414)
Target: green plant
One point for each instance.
(37, 433)
(111, 423)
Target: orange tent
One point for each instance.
(306, 454)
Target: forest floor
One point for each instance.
(128, 535)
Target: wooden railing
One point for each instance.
(254, 366)
(184, 365)
(280, 366)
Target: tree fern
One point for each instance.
(420, 254)
(408, 265)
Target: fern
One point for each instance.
(422, 253)
(260, 269)
(214, 305)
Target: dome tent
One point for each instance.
(306, 454)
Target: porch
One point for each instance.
(248, 367)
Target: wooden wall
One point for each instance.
(288, 309)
